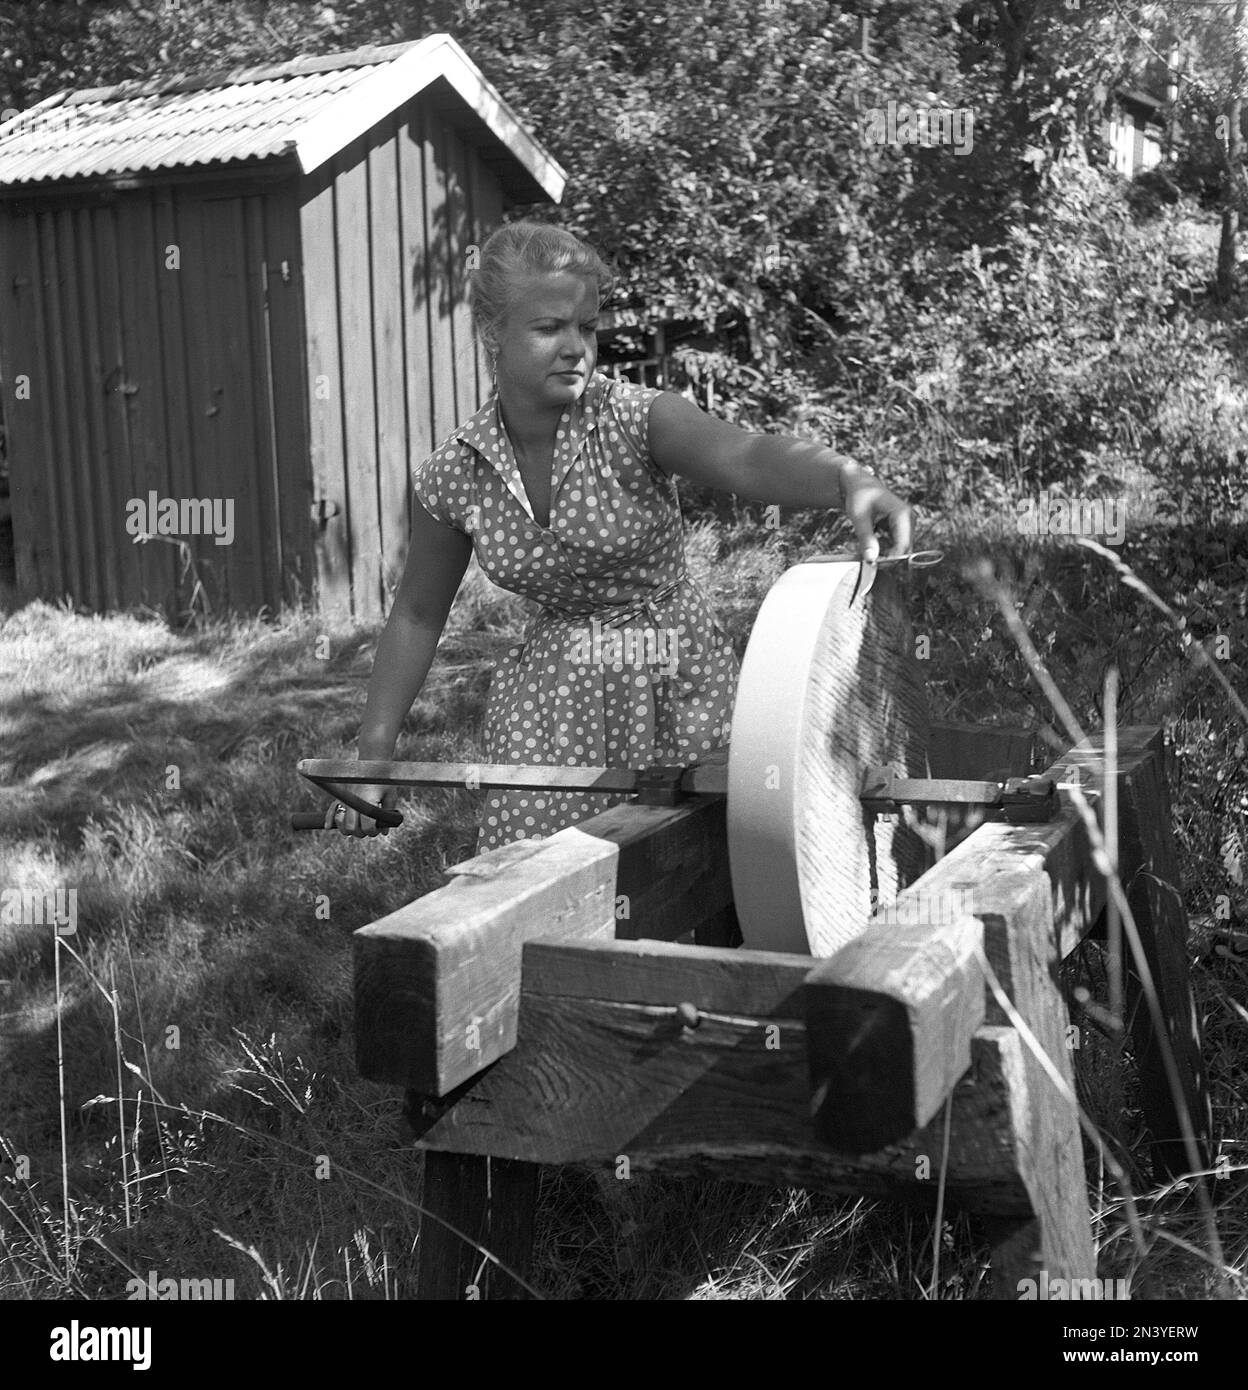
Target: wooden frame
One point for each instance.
(683, 1053)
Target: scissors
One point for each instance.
(917, 559)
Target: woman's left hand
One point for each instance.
(867, 502)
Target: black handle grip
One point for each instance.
(315, 820)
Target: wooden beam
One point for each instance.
(1148, 867)
(622, 1075)
(491, 1203)
(892, 1014)
(619, 1072)
(1037, 893)
(660, 974)
(673, 877)
(437, 982)
(890, 1019)
(605, 1041)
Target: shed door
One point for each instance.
(238, 293)
(229, 390)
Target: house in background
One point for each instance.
(1136, 131)
(248, 286)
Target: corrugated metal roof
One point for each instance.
(310, 108)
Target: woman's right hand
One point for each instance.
(359, 827)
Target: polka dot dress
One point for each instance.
(625, 664)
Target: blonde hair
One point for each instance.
(527, 248)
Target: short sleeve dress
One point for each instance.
(625, 663)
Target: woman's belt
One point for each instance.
(618, 612)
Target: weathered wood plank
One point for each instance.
(492, 1202)
(287, 375)
(388, 308)
(892, 1014)
(418, 373)
(972, 750)
(660, 974)
(169, 209)
(44, 505)
(440, 273)
(487, 214)
(199, 471)
(101, 322)
(1059, 847)
(144, 368)
(673, 876)
(426, 972)
(459, 238)
(726, 1100)
(355, 327)
(890, 1020)
(1148, 867)
(259, 432)
(1033, 887)
(437, 982)
(621, 1079)
(322, 294)
(235, 399)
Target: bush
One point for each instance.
(1061, 359)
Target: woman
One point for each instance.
(562, 484)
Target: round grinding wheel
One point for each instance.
(825, 690)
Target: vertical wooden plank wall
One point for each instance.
(462, 234)
(148, 377)
(386, 230)
(32, 423)
(256, 463)
(102, 298)
(63, 470)
(289, 396)
(221, 376)
(359, 372)
(231, 433)
(331, 541)
(171, 225)
(435, 139)
(421, 440)
(389, 306)
(93, 476)
(145, 413)
(487, 213)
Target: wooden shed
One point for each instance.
(245, 289)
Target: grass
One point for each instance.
(214, 1124)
